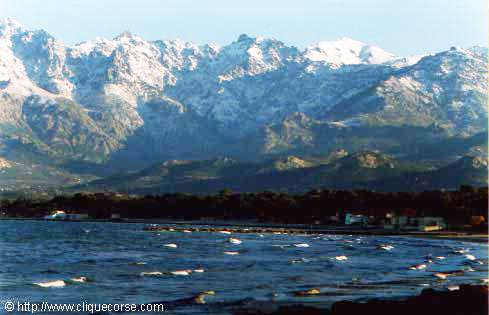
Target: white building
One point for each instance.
(428, 224)
(57, 215)
(355, 219)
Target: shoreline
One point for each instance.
(447, 235)
(466, 299)
(260, 228)
(476, 238)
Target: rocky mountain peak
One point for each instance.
(370, 159)
(172, 99)
(291, 162)
(4, 163)
(243, 38)
(336, 154)
(9, 27)
(346, 51)
(473, 162)
(128, 38)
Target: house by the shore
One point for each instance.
(62, 215)
(429, 224)
(351, 219)
(410, 221)
(56, 215)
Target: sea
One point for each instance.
(120, 263)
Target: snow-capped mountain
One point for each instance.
(135, 101)
(347, 51)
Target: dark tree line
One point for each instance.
(313, 206)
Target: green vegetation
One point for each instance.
(292, 174)
(457, 207)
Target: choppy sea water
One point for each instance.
(265, 273)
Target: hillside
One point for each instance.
(110, 105)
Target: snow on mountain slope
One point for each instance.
(180, 98)
(346, 51)
(447, 90)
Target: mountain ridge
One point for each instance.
(358, 170)
(127, 102)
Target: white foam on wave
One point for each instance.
(470, 257)
(51, 284)
(418, 267)
(440, 275)
(151, 273)
(181, 272)
(79, 279)
(236, 241)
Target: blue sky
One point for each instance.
(404, 27)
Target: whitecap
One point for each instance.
(51, 284)
(181, 272)
(470, 257)
(440, 275)
(418, 267)
(151, 273)
(233, 240)
(79, 279)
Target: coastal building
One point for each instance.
(428, 224)
(356, 219)
(56, 215)
(61, 215)
(407, 220)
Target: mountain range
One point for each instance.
(72, 114)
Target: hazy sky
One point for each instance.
(404, 27)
